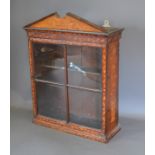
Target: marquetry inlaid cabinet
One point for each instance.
(74, 66)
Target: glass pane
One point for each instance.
(85, 107)
(49, 62)
(55, 75)
(84, 66)
(51, 101)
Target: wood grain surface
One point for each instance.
(110, 71)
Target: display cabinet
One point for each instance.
(74, 75)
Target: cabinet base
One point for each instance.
(78, 130)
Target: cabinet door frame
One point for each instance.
(87, 132)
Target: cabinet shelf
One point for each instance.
(53, 67)
(48, 82)
(84, 69)
(84, 88)
(68, 85)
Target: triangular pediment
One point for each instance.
(68, 22)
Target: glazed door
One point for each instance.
(68, 83)
(84, 85)
(49, 78)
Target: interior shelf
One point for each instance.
(48, 82)
(83, 70)
(68, 85)
(84, 88)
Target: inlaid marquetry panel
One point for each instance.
(68, 22)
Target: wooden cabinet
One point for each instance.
(74, 75)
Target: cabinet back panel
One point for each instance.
(49, 62)
(51, 101)
(84, 66)
(85, 108)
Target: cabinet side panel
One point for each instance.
(33, 86)
(104, 72)
(112, 86)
